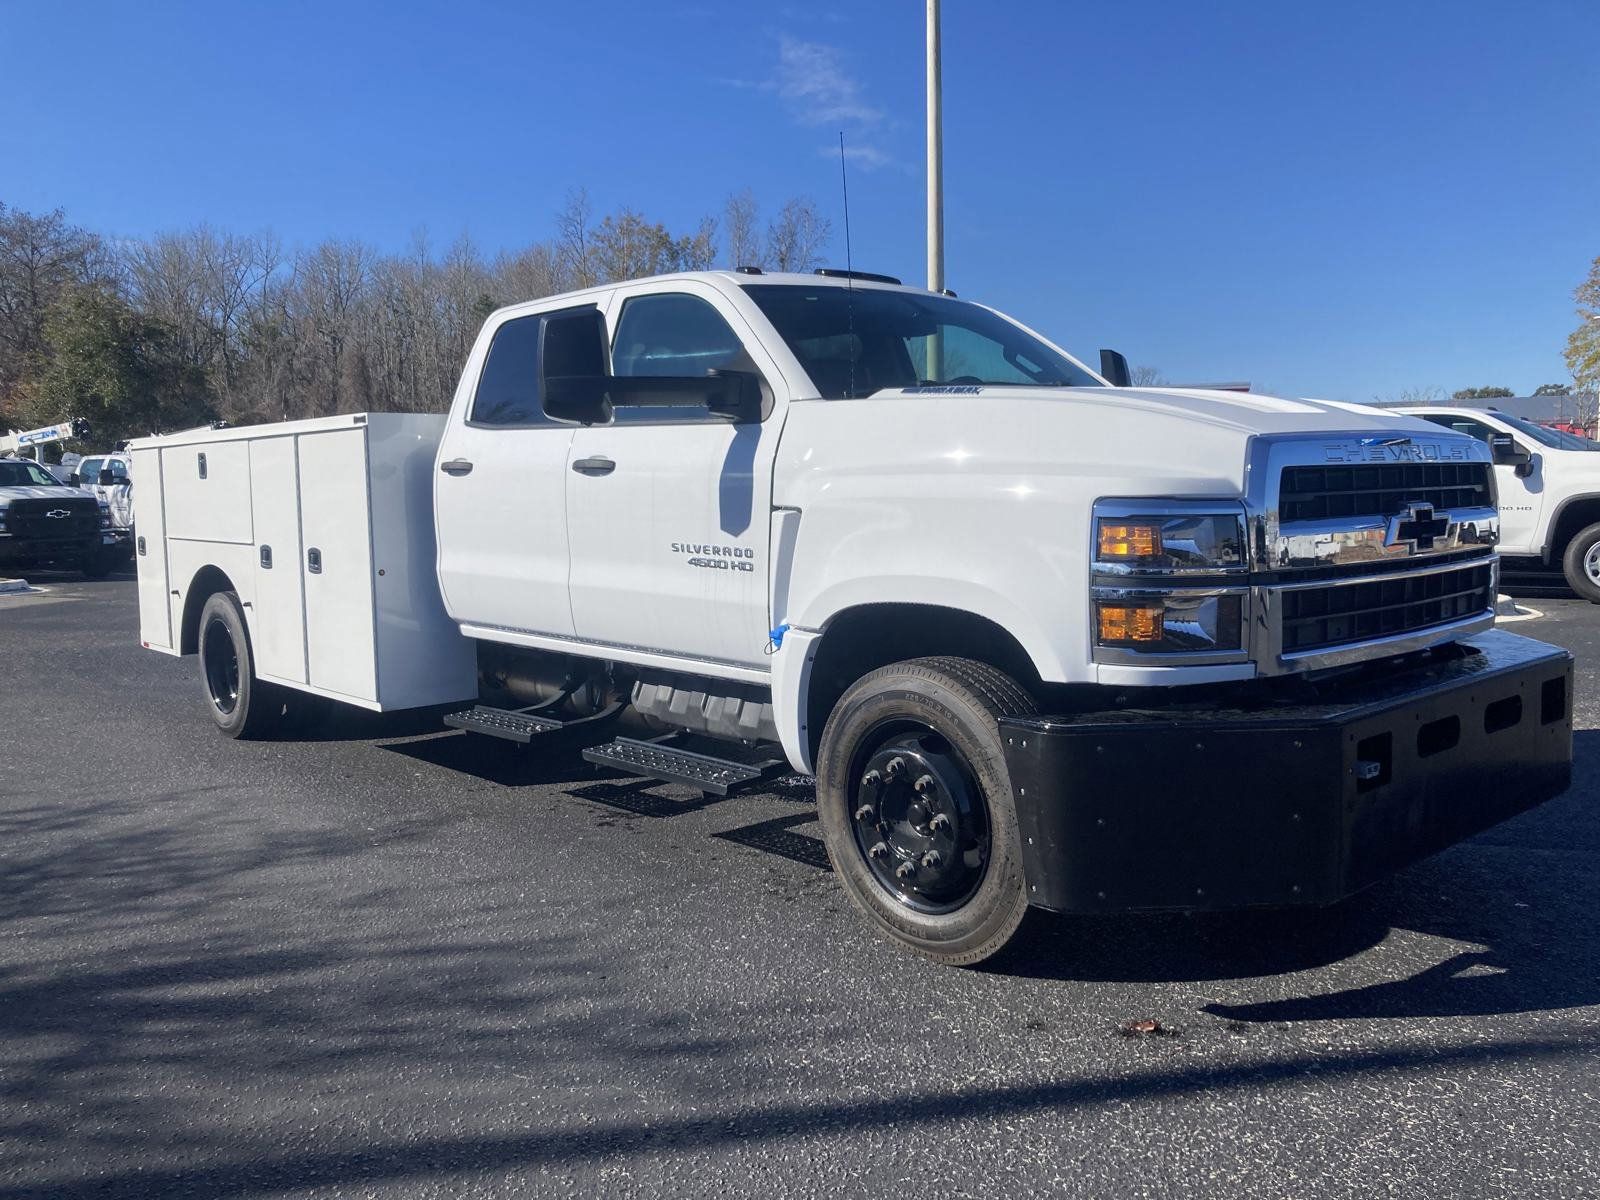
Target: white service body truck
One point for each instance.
(1549, 483)
(1041, 639)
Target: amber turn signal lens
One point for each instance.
(1126, 625)
(1129, 541)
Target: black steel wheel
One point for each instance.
(916, 807)
(241, 705)
(921, 819)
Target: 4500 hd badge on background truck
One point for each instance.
(1041, 637)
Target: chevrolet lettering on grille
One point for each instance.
(1400, 450)
(1417, 525)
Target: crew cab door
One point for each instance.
(500, 492)
(1521, 496)
(669, 509)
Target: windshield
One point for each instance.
(856, 341)
(15, 472)
(1554, 438)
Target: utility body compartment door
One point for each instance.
(150, 552)
(336, 562)
(277, 614)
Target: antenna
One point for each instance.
(849, 266)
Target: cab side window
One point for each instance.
(1464, 425)
(676, 335)
(672, 334)
(88, 471)
(508, 388)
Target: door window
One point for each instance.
(508, 388)
(89, 471)
(675, 335)
(1464, 425)
(672, 334)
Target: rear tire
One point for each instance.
(950, 795)
(241, 705)
(1581, 563)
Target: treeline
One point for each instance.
(141, 336)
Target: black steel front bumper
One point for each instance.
(1288, 803)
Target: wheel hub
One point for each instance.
(1591, 563)
(921, 823)
(221, 666)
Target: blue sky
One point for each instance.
(1343, 200)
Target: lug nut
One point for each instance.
(895, 767)
(932, 858)
(924, 785)
(871, 779)
(905, 871)
(940, 823)
(878, 850)
(866, 813)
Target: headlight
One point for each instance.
(1134, 540)
(1169, 582)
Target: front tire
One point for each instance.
(916, 806)
(241, 705)
(1581, 563)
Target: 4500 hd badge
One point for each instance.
(716, 558)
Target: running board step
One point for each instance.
(719, 776)
(502, 723)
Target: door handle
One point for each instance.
(596, 464)
(314, 561)
(456, 466)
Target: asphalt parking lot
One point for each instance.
(390, 960)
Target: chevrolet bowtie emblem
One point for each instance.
(58, 513)
(1417, 525)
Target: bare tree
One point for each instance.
(1145, 377)
(797, 235)
(573, 239)
(740, 219)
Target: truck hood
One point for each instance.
(1242, 412)
(33, 491)
(1116, 441)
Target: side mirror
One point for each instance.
(572, 367)
(73, 480)
(1115, 368)
(1508, 452)
(738, 397)
(107, 479)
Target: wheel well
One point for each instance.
(1578, 514)
(207, 582)
(862, 639)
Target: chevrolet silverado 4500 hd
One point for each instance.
(1041, 639)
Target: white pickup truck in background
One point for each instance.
(1549, 484)
(1042, 639)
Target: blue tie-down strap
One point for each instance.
(775, 638)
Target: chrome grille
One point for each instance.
(1317, 493)
(1341, 614)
